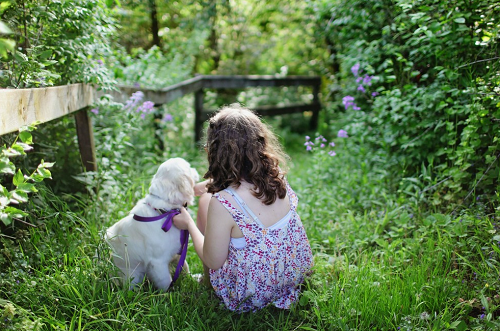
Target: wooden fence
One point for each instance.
(20, 107)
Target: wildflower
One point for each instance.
(482, 316)
(95, 110)
(136, 84)
(308, 145)
(99, 62)
(167, 118)
(322, 145)
(133, 100)
(425, 316)
(308, 138)
(332, 144)
(355, 69)
(342, 134)
(367, 80)
(348, 101)
(374, 94)
(146, 107)
(361, 88)
(359, 79)
(332, 153)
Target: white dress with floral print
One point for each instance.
(267, 265)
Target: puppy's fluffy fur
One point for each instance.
(143, 248)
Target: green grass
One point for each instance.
(382, 262)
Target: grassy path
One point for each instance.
(381, 261)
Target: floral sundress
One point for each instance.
(267, 265)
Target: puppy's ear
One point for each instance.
(185, 188)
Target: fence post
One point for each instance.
(314, 118)
(198, 114)
(86, 139)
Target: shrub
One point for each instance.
(436, 69)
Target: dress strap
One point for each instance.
(292, 196)
(244, 208)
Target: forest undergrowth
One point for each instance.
(384, 260)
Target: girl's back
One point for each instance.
(268, 262)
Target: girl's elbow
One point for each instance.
(214, 264)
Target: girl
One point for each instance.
(251, 237)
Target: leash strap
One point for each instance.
(165, 227)
(183, 252)
(168, 221)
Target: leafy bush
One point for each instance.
(21, 184)
(436, 68)
(58, 42)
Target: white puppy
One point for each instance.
(143, 248)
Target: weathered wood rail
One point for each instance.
(20, 107)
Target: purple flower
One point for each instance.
(307, 138)
(146, 107)
(167, 118)
(348, 101)
(308, 145)
(359, 79)
(361, 88)
(355, 69)
(482, 316)
(332, 153)
(356, 107)
(374, 94)
(136, 84)
(332, 144)
(133, 100)
(322, 145)
(342, 134)
(99, 62)
(367, 80)
(95, 110)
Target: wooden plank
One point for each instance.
(20, 107)
(314, 118)
(161, 96)
(86, 139)
(237, 82)
(198, 114)
(273, 110)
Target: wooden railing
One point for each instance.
(20, 107)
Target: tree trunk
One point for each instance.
(155, 27)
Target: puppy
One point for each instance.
(143, 248)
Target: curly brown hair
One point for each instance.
(241, 147)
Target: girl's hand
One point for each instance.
(183, 220)
(200, 188)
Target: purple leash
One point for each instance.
(165, 227)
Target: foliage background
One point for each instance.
(403, 221)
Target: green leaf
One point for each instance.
(458, 325)
(45, 54)
(12, 152)
(5, 218)
(44, 172)
(460, 20)
(6, 45)
(7, 167)
(4, 29)
(14, 212)
(26, 187)
(47, 164)
(20, 196)
(26, 137)
(18, 178)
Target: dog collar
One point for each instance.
(168, 221)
